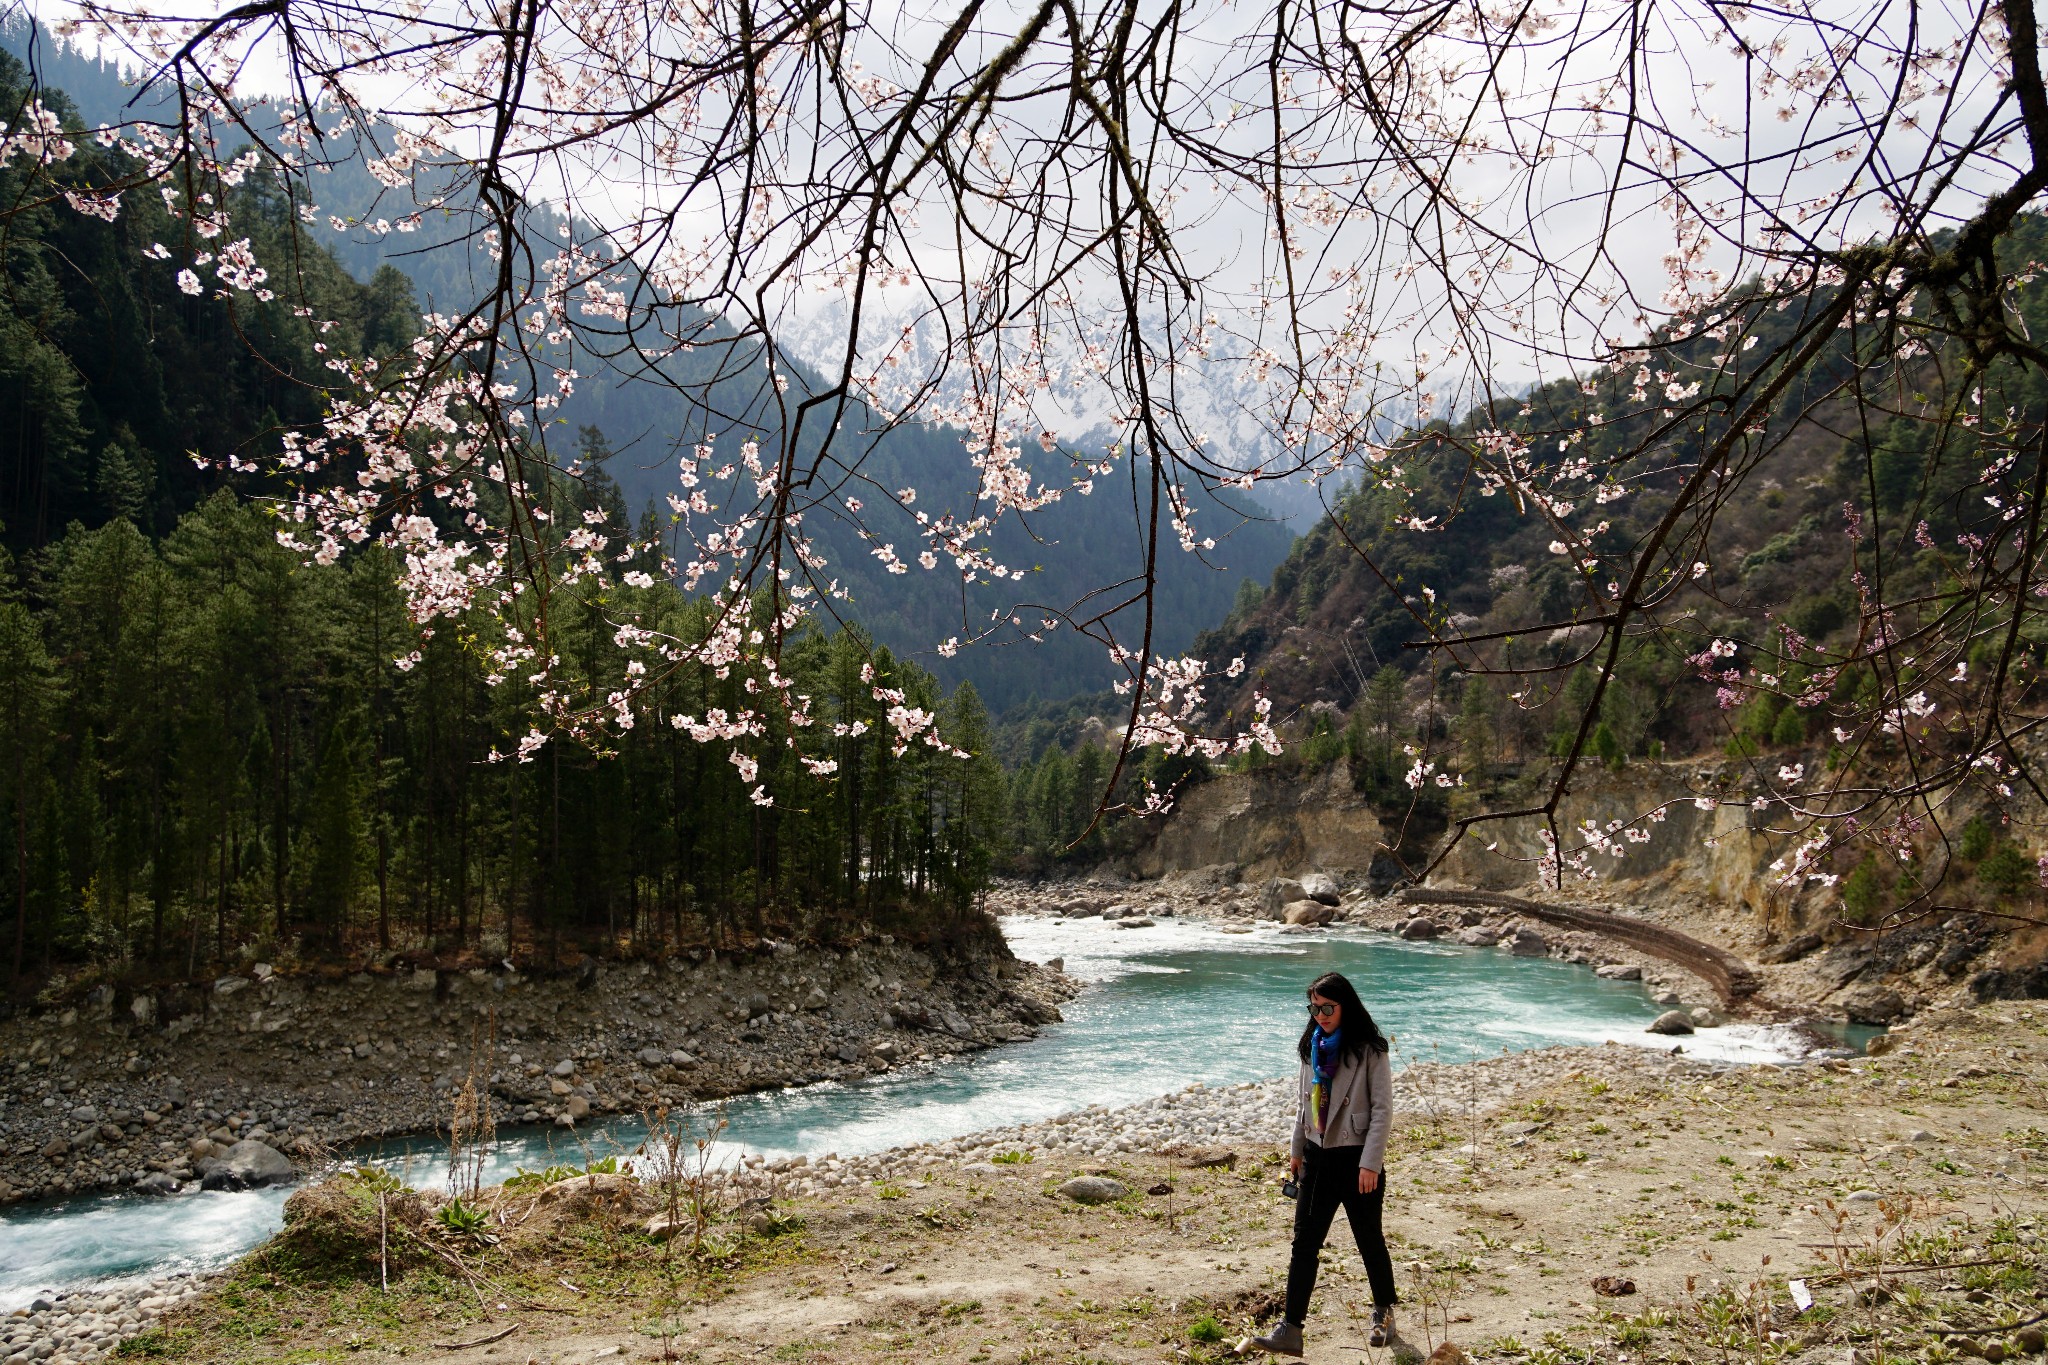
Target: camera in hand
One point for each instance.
(1289, 1190)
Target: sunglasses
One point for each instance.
(1323, 1010)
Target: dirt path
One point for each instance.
(1707, 1189)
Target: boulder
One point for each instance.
(566, 1067)
(247, 1165)
(1526, 942)
(1094, 1189)
(1319, 886)
(1702, 1017)
(157, 1183)
(56, 1147)
(1674, 1023)
(1278, 895)
(681, 1058)
(1619, 971)
(576, 1107)
(1479, 935)
(1119, 911)
(1791, 950)
(1307, 912)
(1419, 928)
(1873, 1004)
(1141, 922)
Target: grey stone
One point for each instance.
(1791, 950)
(247, 1165)
(1528, 943)
(1094, 1189)
(1419, 928)
(1280, 893)
(1141, 922)
(85, 1113)
(1873, 1004)
(1702, 1017)
(1320, 886)
(1674, 1023)
(1619, 971)
(228, 985)
(157, 1183)
(1862, 1197)
(565, 1068)
(650, 1056)
(1479, 935)
(681, 1058)
(1307, 912)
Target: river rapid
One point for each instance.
(1163, 1007)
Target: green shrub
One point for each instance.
(2007, 871)
(1862, 892)
(461, 1219)
(1606, 747)
(1790, 727)
(1206, 1328)
(1976, 839)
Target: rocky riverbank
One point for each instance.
(1851, 978)
(99, 1097)
(1571, 1204)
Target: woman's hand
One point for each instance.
(1294, 1167)
(1368, 1181)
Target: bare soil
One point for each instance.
(1903, 1192)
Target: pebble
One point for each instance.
(88, 1324)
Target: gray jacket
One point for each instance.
(1361, 1109)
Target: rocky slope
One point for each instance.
(1710, 871)
(98, 1096)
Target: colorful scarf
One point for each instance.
(1323, 1054)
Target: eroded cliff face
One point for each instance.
(1281, 824)
(1269, 824)
(1723, 854)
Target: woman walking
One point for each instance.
(1339, 1154)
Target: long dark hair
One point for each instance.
(1358, 1033)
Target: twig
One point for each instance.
(480, 1341)
(1973, 1331)
(566, 1285)
(383, 1245)
(1881, 1271)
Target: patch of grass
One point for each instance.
(1206, 1329)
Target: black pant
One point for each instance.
(1329, 1177)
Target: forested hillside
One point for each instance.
(389, 238)
(1844, 504)
(1907, 489)
(208, 746)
